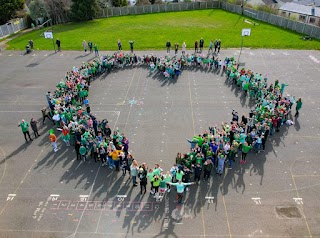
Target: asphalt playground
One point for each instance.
(46, 194)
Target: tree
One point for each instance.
(58, 10)
(83, 10)
(158, 2)
(38, 8)
(119, 3)
(9, 8)
(143, 2)
(124, 3)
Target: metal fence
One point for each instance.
(13, 27)
(176, 7)
(300, 27)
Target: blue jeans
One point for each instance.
(258, 147)
(134, 179)
(110, 162)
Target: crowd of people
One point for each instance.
(69, 110)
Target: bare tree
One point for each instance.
(59, 10)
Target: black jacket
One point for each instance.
(33, 125)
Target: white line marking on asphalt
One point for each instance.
(121, 196)
(314, 59)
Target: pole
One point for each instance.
(240, 52)
(242, 7)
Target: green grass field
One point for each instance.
(153, 30)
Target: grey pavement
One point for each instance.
(46, 194)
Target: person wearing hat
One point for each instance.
(221, 161)
(53, 139)
(25, 129)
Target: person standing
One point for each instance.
(96, 51)
(90, 46)
(196, 46)
(134, 172)
(218, 45)
(180, 189)
(298, 107)
(143, 178)
(156, 184)
(83, 153)
(34, 127)
(131, 42)
(197, 173)
(176, 48)
(53, 139)
(183, 49)
(245, 149)
(45, 114)
(119, 45)
(210, 47)
(215, 46)
(207, 167)
(58, 43)
(201, 44)
(168, 45)
(168, 178)
(25, 129)
(221, 162)
(84, 45)
(31, 44)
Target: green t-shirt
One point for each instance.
(246, 148)
(24, 126)
(82, 150)
(156, 172)
(156, 183)
(168, 178)
(179, 175)
(163, 184)
(150, 176)
(199, 160)
(83, 141)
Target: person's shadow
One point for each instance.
(296, 124)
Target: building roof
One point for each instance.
(269, 2)
(298, 8)
(308, 2)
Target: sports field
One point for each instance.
(151, 31)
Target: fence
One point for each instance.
(176, 7)
(280, 21)
(13, 27)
